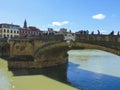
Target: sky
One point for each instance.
(75, 15)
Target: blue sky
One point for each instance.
(72, 14)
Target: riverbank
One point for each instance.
(5, 76)
(38, 82)
(31, 82)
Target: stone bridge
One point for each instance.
(46, 51)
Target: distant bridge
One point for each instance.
(46, 51)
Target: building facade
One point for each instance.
(9, 30)
(62, 31)
(30, 31)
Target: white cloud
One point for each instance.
(99, 16)
(59, 23)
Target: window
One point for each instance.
(17, 31)
(4, 30)
(7, 31)
(11, 31)
(7, 35)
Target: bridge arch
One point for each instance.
(79, 45)
(56, 54)
(52, 55)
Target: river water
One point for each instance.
(94, 70)
(88, 69)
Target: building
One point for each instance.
(51, 31)
(62, 31)
(9, 30)
(30, 31)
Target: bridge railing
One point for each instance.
(110, 41)
(41, 38)
(106, 38)
(49, 38)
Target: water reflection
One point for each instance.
(94, 70)
(57, 72)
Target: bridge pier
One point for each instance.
(51, 55)
(58, 72)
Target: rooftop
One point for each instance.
(9, 24)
